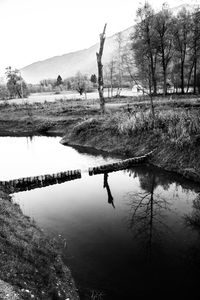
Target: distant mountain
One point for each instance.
(84, 60)
(69, 64)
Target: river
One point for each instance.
(132, 232)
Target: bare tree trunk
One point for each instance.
(100, 70)
(189, 77)
(106, 185)
(108, 92)
(152, 106)
(182, 77)
(195, 75)
(111, 81)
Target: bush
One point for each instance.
(86, 126)
(44, 127)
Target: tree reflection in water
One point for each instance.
(146, 218)
(106, 185)
(193, 222)
(159, 249)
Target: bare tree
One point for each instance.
(100, 70)
(145, 48)
(193, 219)
(119, 52)
(109, 76)
(163, 29)
(195, 44)
(81, 83)
(15, 84)
(146, 218)
(106, 185)
(181, 31)
(141, 84)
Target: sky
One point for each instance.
(33, 30)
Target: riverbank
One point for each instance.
(167, 155)
(126, 129)
(174, 134)
(30, 266)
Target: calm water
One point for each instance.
(133, 233)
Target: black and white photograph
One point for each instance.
(99, 149)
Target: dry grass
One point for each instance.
(179, 127)
(30, 261)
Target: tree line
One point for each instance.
(161, 55)
(81, 83)
(16, 87)
(166, 50)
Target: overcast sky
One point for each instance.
(33, 30)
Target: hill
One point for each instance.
(69, 64)
(83, 60)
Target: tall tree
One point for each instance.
(100, 70)
(59, 80)
(164, 38)
(93, 79)
(80, 83)
(119, 62)
(109, 75)
(15, 83)
(181, 34)
(195, 45)
(145, 47)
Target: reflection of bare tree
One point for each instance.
(145, 216)
(106, 185)
(193, 220)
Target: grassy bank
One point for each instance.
(30, 265)
(127, 127)
(174, 133)
(41, 118)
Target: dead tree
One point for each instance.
(106, 185)
(100, 70)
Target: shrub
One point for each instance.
(86, 125)
(44, 127)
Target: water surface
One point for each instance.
(127, 234)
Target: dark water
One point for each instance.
(129, 234)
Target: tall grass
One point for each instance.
(179, 127)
